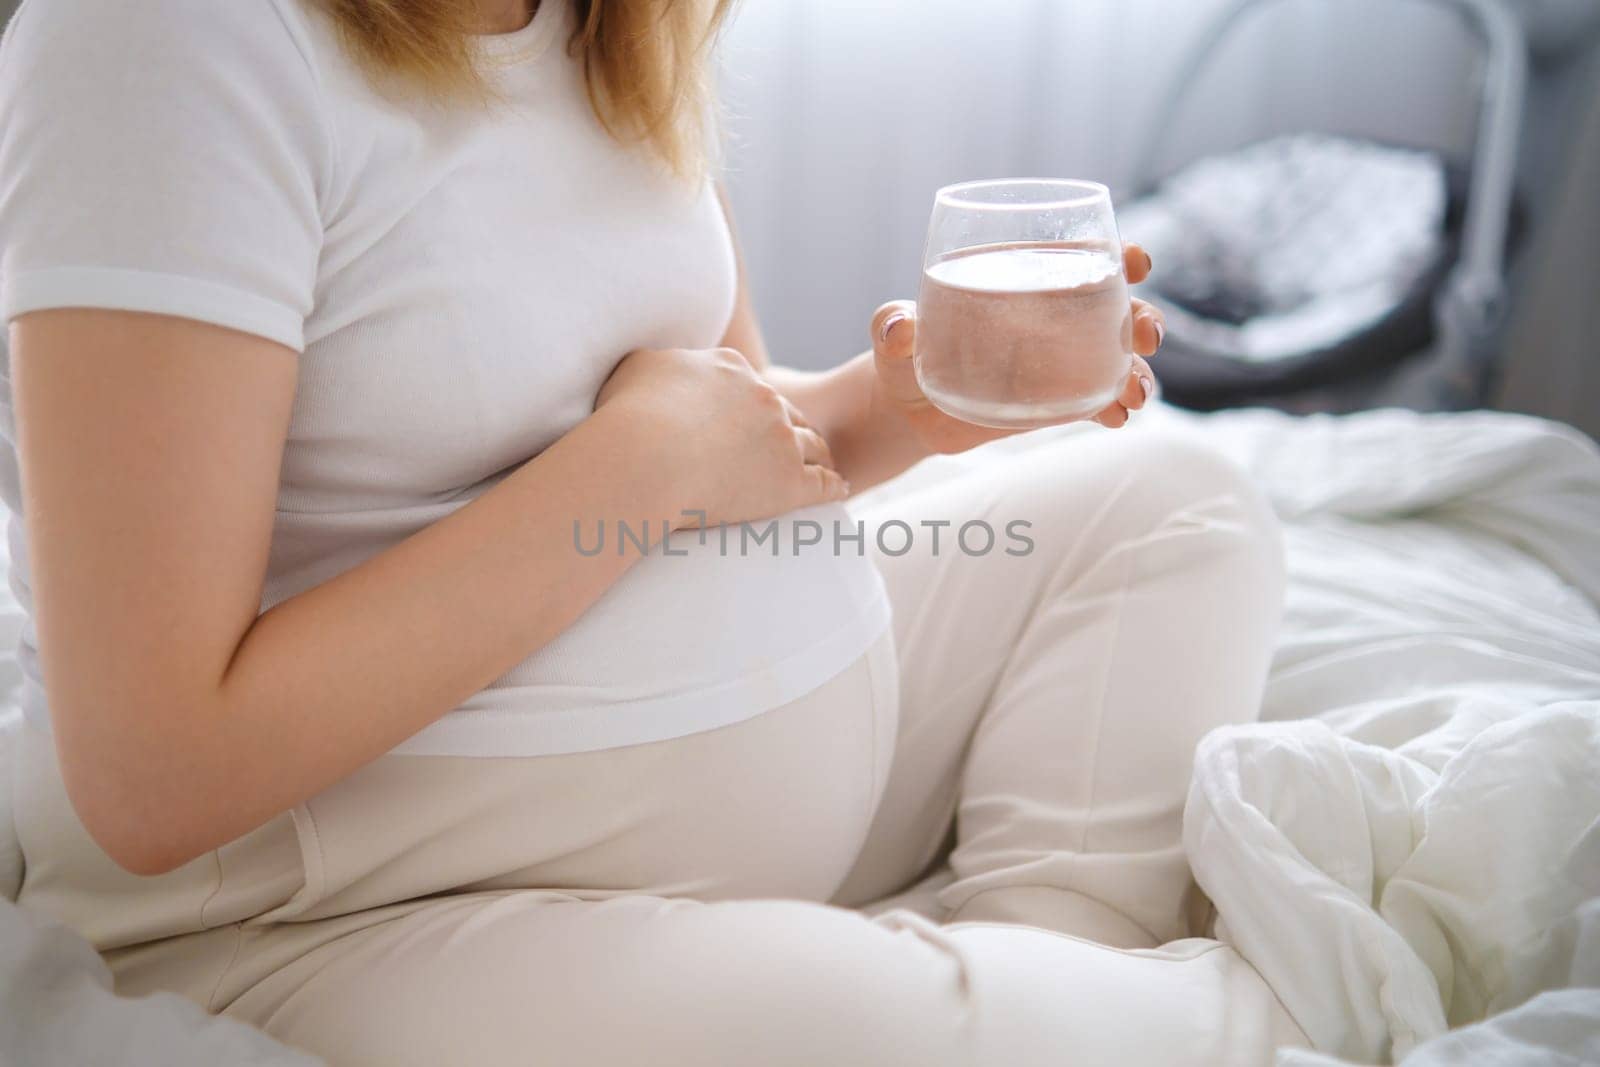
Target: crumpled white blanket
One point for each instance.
(1554, 1029)
(1406, 846)
(1415, 854)
(1385, 900)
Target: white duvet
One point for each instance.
(1406, 845)
(1413, 856)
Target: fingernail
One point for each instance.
(1149, 264)
(1148, 386)
(1161, 334)
(889, 324)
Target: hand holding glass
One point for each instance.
(1023, 319)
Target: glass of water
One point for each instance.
(1024, 317)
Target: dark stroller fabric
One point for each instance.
(1294, 263)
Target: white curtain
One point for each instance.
(844, 117)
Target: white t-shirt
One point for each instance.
(460, 281)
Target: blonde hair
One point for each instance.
(645, 61)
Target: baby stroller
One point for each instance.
(1316, 273)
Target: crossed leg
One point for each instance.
(1050, 702)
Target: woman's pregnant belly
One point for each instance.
(715, 627)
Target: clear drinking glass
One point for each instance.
(1023, 319)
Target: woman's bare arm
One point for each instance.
(872, 410)
(150, 451)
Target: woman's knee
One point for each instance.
(1190, 507)
(1132, 483)
(1166, 471)
(1184, 480)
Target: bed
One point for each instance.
(1417, 813)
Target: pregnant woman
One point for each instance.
(331, 324)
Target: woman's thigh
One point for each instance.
(524, 978)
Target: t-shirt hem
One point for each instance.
(113, 289)
(523, 731)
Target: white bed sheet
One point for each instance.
(1408, 841)
(1419, 856)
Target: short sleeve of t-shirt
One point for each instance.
(164, 156)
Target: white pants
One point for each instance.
(911, 865)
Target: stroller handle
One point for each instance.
(1476, 290)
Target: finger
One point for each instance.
(821, 484)
(1139, 388)
(894, 330)
(796, 416)
(813, 449)
(1149, 328)
(1136, 263)
(1113, 417)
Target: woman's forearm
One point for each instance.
(338, 675)
(871, 440)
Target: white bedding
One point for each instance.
(1412, 852)
(1425, 842)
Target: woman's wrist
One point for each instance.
(870, 437)
(632, 452)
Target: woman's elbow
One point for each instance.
(141, 856)
(131, 814)
(133, 844)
